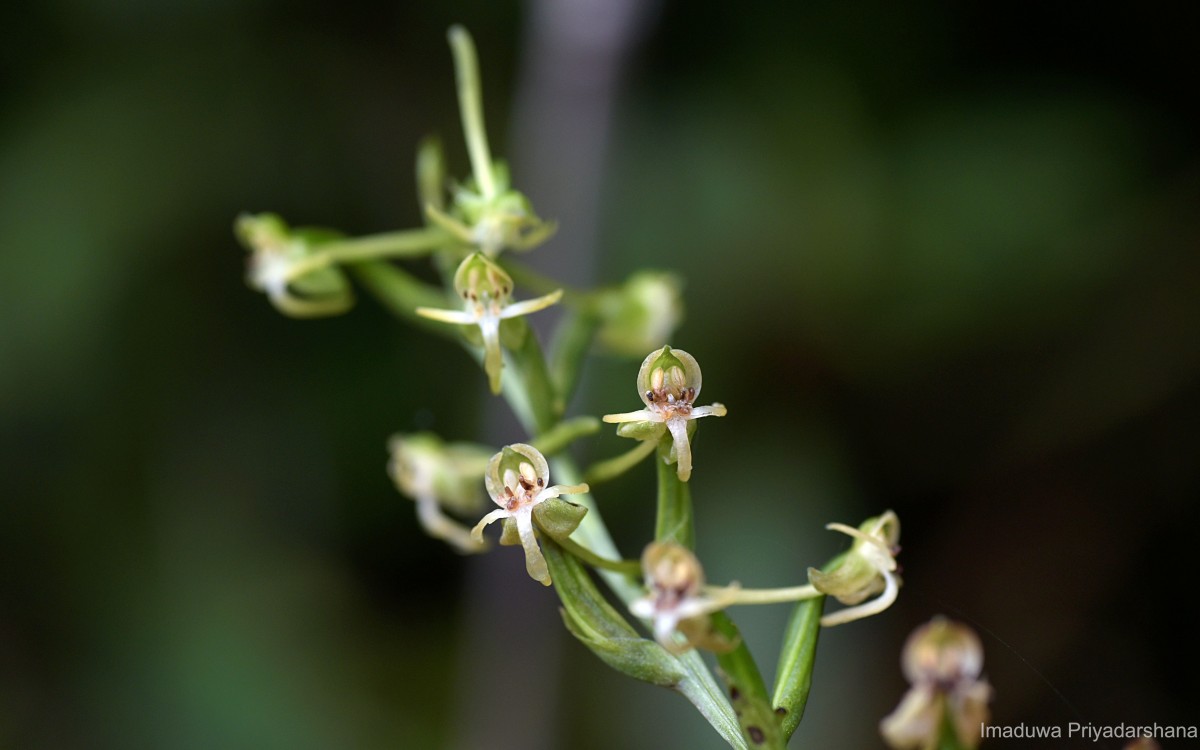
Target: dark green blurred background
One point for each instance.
(940, 258)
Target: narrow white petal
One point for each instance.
(873, 607)
(716, 410)
(495, 515)
(531, 305)
(560, 489)
(440, 526)
(642, 415)
(458, 317)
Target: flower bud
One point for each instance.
(642, 313)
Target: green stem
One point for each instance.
(538, 283)
(470, 104)
(631, 568)
(736, 595)
(402, 293)
(538, 390)
(431, 173)
(572, 340)
(564, 433)
(673, 522)
(410, 243)
(611, 468)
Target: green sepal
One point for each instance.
(641, 430)
(558, 518)
(555, 517)
(592, 620)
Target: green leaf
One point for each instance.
(747, 691)
(592, 620)
(794, 673)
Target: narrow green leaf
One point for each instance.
(402, 293)
(794, 674)
(592, 620)
(747, 691)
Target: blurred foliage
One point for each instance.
(937, 258)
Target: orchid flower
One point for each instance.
(869, 568)
(486, 291)
(437, 476)
(943, 661)
(668, 383)
(517, 479)
(678, 601)
(285, 264)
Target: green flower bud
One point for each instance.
(641, 314)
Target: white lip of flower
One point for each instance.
(486, 291)
(518, 491)
(877, 547)
(669, 395)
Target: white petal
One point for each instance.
(531, 305)
(560, 489)
(873, 607)
(458, 317)
(716, 410)
(642, 415)
(440, 526)
(495, 515)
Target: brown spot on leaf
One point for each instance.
(756, 735)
